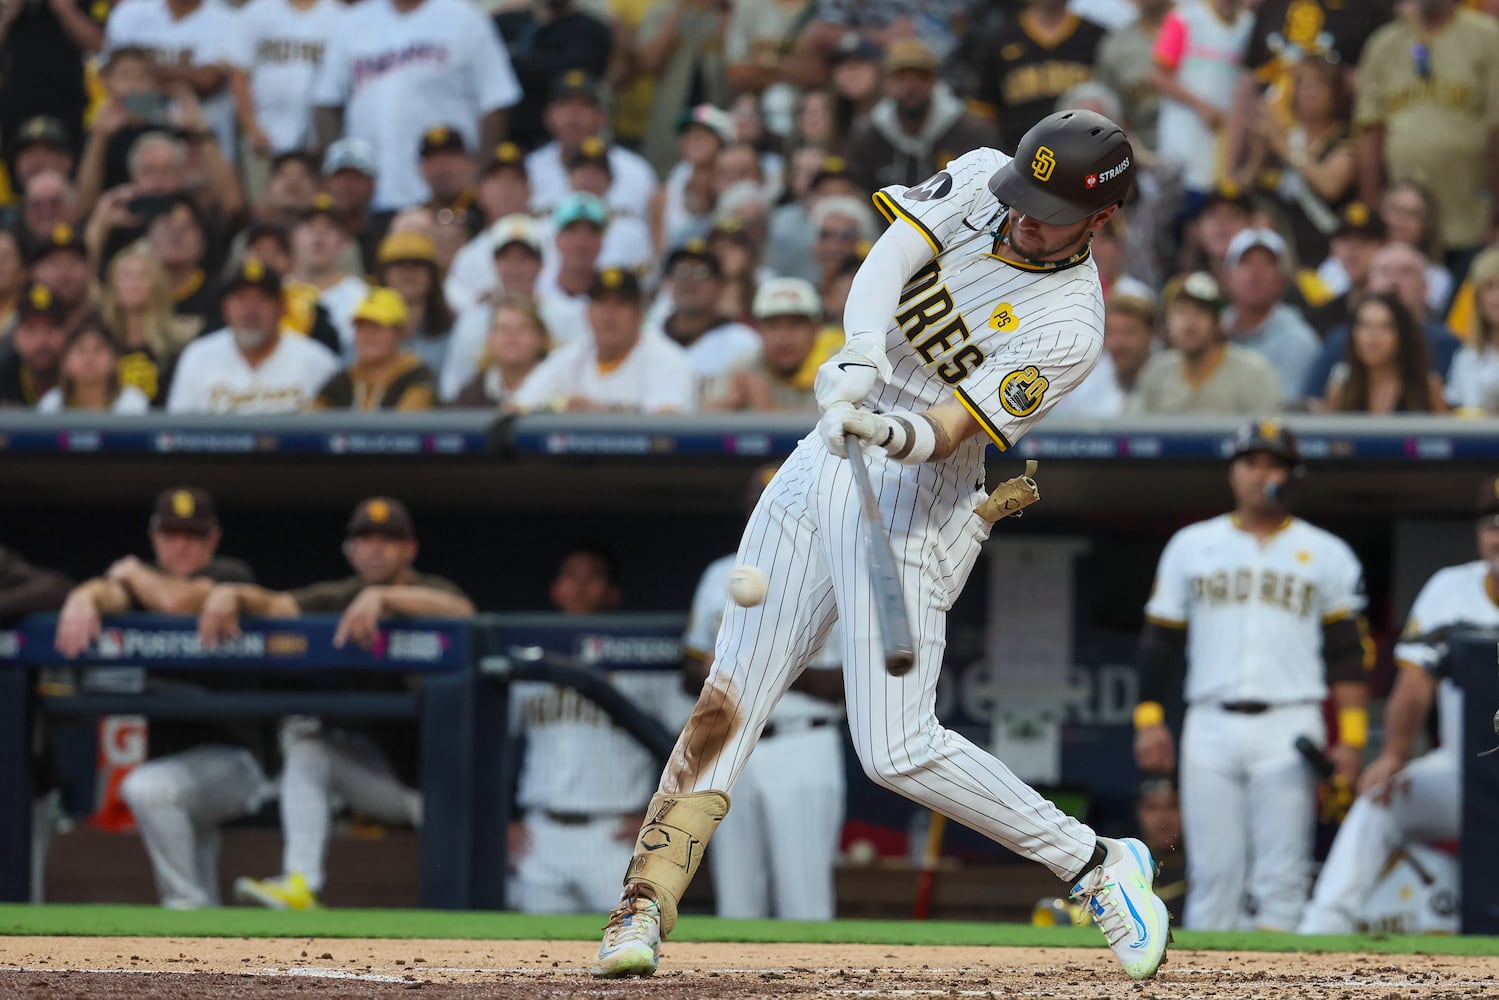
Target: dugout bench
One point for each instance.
(462, 710)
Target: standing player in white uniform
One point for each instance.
(582, 778)
(773, 856)
(1259, 601)
(1401, 800)
(967, 318)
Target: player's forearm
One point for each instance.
(1405, 712)
(1158, 660)
(43, 590)
(425, 602)
(168, 595)
(1351, 700)
(107, 597)
(259, 602)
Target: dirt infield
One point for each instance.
(326, 969)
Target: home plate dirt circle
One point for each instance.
(335, 968)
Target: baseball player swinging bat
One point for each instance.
(1340, 797)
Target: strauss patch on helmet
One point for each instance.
(1093, 180)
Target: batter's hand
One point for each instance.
(77, 626)
(361, 620)
(218, 621)
(850, 375)
(1155, 750)
(1381, 777)
(842, 418)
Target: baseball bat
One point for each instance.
(884, 579)
(930, 855)
(1340, 797)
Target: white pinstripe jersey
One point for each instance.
(1008, 339)
(1457, 595)
(1254, 610)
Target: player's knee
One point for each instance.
(147, 788)
(306, 755)
(886, 769)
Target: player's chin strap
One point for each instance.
(1001, 233)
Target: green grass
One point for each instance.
(150, 921)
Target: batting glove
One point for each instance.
(850, 375)
(843, 418)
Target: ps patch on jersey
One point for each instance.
(1022, 391)
(1003, 318)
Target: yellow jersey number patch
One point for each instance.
(1021, 391)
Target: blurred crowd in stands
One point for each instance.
(658, 205)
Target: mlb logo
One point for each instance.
(109, 643)
(591, 649)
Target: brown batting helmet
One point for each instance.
(1068, 166)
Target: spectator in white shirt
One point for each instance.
(251, 366)
(619, 368)
(1473, 378)
(715, 343)
(399, 67)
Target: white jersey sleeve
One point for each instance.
(1428, 613)
(1171, 595)
(187, 394)
(1020, 382)
(954, 202)
(1342, 585)
(236, 47)
(673, 385)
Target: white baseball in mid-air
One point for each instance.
(747, 586)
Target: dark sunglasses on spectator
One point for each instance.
(692, 271)
(850, 233)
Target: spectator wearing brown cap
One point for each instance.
(450, 173)
(575, 111)
(198, 775)
(323, 763)
(545, 39)
(714, 343)
(42, 146)
(793, 342)
(1202, 372)
(504, 190)
(917, 126)
(1345, 271)
(384, 375)
(627, 238)
(32, 366)
(618, 368)
(89, 376)
(60, 261)
(250, 366)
